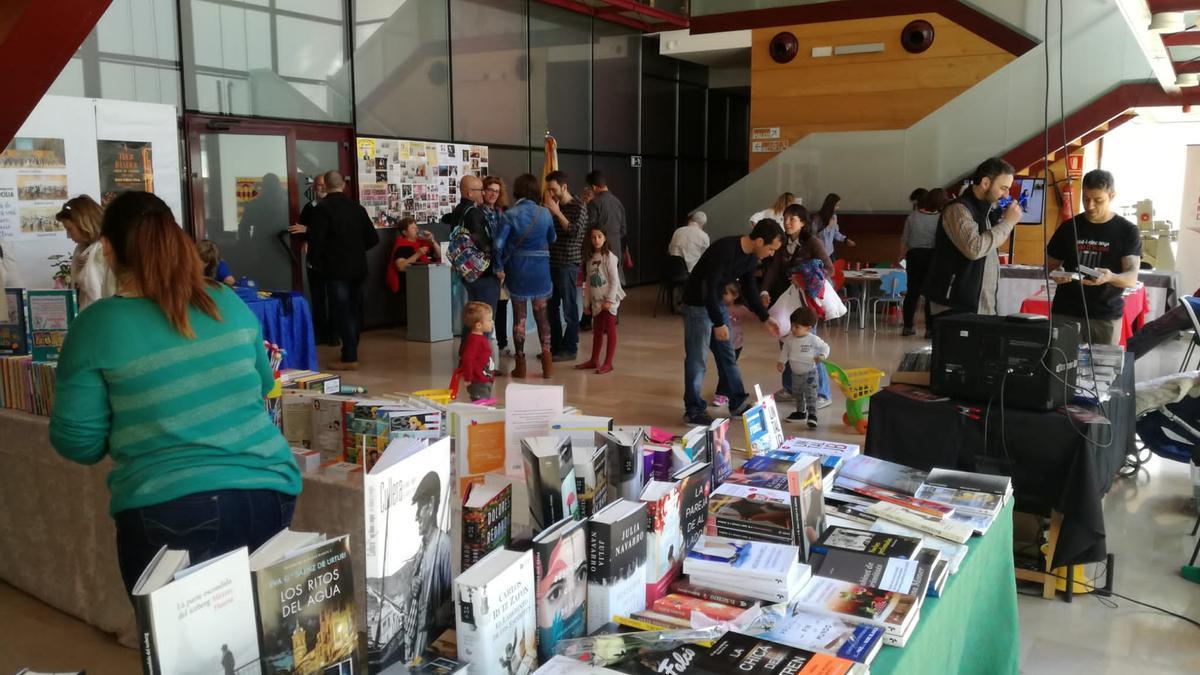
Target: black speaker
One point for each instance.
(1028, 364)
(917, 36)
(784, 47)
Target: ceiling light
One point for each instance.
(1167, 22)
(1187, 80)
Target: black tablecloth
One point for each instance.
(1052, 464)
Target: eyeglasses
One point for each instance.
(494, 191)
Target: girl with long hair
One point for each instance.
(495, 203)
(91, 274)
(824, 223)
(602, 295)
(526, 232)
(167, 378)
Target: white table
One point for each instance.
(864, 279)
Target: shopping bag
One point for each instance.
(829, 305)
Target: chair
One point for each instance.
(1186, 302)
(839, 285)
(894, 284)
(674, 276)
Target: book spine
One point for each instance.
(599, 552)
(743, 528)
(712, 595)
(145, 623)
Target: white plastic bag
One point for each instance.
(830, 304)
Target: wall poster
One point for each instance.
(124, 166)
(33, 186)
(398, 178)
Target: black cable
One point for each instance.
(1112, 605)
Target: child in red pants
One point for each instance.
(602, 294)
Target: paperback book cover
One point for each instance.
(858, 604)
(694, 482)
(884, 474)
(306, 611)
(956, 532)
(50, 316)
(761, 479)
(966, 480)
(865, 541)
(721, 451)
(714, 595)
(747, 512)
(914, 504)
(591, 477)
(14, 330)
(664, 536)
(560, 565)
(816, 446)
(198, 619)
(796, 627)
(681, 606)
(807, 501)
(616, 562)
(408, 549)
(625, 468)
(909, 576)
(478, 435)
(739, 653)
(963, 501)
(582, 430)
(495, 617)
(486, 520)
(745, 562)
(550, 475)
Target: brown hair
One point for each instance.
(475, 312)
(527, 186)
(804, 316)
(588, 251)
(502, 202)
(150, 247)
(785, 200)
(210, 255)
(934, 201)
(85, 214)
(405, 222)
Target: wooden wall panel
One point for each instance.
(888, 90)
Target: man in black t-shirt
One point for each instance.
(1105, 242)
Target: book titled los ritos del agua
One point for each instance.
(408, 549)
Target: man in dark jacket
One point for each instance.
(965, 273)
(316, 282)
(486, 288)
(339, 235)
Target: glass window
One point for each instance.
(692, 113)
(623, 183)
(402, 68)
(658, 116)
(508, 164)
(616, 76)
(691, 186)
(560, 76)
(282, 60)
(490, 68)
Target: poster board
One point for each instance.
(56, 155)
(398, 178)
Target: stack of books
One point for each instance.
(975, 497)
(771, 572)
(486, 520)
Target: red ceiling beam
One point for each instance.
(1182, 67)
(1173, 5)
(652, 12)
(1190, 38)
(616, 11)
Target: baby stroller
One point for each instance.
(1168, 424)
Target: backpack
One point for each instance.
(464, 255)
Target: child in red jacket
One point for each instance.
(475, 361)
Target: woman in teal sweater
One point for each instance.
(168, 378)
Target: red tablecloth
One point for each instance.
(1134, 317)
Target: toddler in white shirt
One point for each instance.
(803, 352)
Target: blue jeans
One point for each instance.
(697, 341)
(345, 306)
(564, 336)
(205, 524)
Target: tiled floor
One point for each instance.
(1148, 517)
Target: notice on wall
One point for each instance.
(764, 133)
(398, 178)
(777, 145)
(246, 189)
(33, 186)
(124, 166)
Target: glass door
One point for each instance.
(249, 180)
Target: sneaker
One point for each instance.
(783, 396)
(720, 401)
(741, 409)
(559, 357)
(823, 403)
(812, 420)
(797, 417)
(698, 419)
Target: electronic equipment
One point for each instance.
(1030, 193)
(1088, 271)
(996, 358)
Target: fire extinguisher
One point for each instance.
(1066, 200)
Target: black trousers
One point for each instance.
(917, 262)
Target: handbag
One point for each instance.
(829, 304)
(627, 258)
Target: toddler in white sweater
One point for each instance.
(803, 352)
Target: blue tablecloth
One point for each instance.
(286, 321)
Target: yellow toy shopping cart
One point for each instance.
(857, 384)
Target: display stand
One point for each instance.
(429, 306)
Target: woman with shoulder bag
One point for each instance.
(526, 232)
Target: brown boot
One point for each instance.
(547, 364)
(518, 370)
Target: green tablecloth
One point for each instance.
(973, 628)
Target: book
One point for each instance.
(550, 475)
(969, 502)
(582, 430)
(296, 412)
(687, 587)
(50, 316)
(748, 512)
(819, 633)
(766, 592)
(750, 563)
(763, 479)
(14, 328)
(958, 533)
(664, 536)
(616, 562)
(197, 617)
(486, 520)
(720, 451)
(681, 606)
(740, 653)
(815, 446)
(953, 553)
(892, 611)
(921, 506)
(657, 460)
(866, 541)
(694, 483)
(903, 575)
(807, 503)
(625, 469)
(763, 430)
(966, 480)
(329, 415)
(881, 473)
(304, 590)
(408, 549)
(591, 477)
(494, 618)
(478, 437)
(560, 566)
